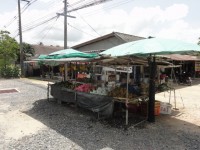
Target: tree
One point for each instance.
(199, 41)
(28, 51)
(8, 48)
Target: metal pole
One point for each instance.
(151, 104)
(65, 24)
(127, 95)
(20, 40)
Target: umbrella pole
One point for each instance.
(65, 71)
(75, 87)
(127, 95)
(151, 104)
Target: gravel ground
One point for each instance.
(29, 121)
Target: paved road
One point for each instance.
(28, 121)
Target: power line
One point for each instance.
(80, 30)
(23, 10)
(49, 7)
(92, 3)
(53, 24)
(118, 4)
(88, 23)
(38, 24)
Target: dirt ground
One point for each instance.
(185, 102)
(28, 121)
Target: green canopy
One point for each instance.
(152, 46)
(68, 53)
(42, 57)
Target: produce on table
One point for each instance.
(85, 88)
(120, 92)
(67, 84)
(100, 91)
(85, 80)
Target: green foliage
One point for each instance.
(8, 48)
(199, 41)
(28, 51)
(9, 72)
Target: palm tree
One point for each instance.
(28, 51)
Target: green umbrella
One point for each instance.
(152, 46)
(70, 53)
(42, 57)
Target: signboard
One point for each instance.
(197, 66)
(119, 69)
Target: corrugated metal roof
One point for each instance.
(128, 37)
(124, 37)
(180, 57)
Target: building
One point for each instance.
(44, 50)
(105, 42)
(32, 68)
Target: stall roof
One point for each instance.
(180, 57)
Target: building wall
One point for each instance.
(101, 45)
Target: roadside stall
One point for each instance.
(149, 48)
(97, 99)
(98, 83)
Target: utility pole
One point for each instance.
(20, 38)
(65, 31)
(65, 24)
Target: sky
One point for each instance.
(171, 19)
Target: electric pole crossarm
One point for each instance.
(26, 1)
(62, 14)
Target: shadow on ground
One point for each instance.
(81, 127)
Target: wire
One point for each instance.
(39, 24)
(81, 30)
(23, 10)
(53, 24)
(88, 23)
(92, 3)
(109, 7)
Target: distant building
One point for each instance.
(105, 42)
(32, 68)
(44, 49)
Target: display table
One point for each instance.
(103, 105)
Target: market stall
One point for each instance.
(139, 48)
(103, 84)
(149, 48)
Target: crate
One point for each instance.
(165, 108)
(157, 108)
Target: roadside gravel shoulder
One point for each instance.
(46, 125)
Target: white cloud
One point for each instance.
(169, 22)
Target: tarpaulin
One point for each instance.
(103, 105)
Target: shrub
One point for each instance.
(9, 72)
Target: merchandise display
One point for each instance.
(120, 92)
(85, 88)
(100, 91)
